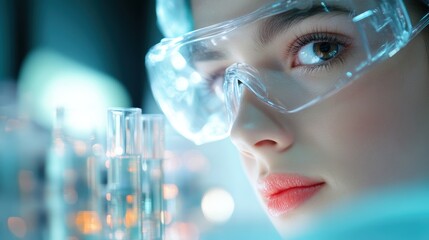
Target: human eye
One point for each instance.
(212, 82)
(318, 51)
(216, 80)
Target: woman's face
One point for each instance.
(372, 134)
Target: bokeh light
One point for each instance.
(217, 205)
(170, 191)
(182, 231)
(88, 222)
(49, 80)
(17, 226)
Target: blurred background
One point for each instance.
(89, 55)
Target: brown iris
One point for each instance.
(325, 50)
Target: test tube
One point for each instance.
(152, 176)
(124, 189)
(73, 188)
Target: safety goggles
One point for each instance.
(290, 54)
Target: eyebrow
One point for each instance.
(278, 23)
(271, 27)
(202, 53)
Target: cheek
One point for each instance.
(250, 168)
(368, 111)
(378, 129)
(385, 105)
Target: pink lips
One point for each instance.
(283, 192)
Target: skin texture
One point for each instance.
(372, 134)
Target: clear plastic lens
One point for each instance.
(290, 57)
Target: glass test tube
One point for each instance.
(73, 188)
(152, 176)
(124, 191)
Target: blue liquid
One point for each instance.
(152, 183)
(135, 199)
(124, 198)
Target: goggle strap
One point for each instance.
(420, 25)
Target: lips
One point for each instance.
(284, 192)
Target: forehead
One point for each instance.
(208, 12)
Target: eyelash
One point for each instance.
(293, 50)
(215, 79)
(315, 37)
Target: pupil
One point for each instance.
(325, 50)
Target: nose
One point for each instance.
(258, 127)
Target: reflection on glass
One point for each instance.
(73, 190)
(124, 191)
(152, 176)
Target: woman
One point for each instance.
(326, 100)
